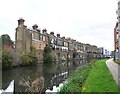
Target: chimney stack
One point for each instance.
(52, 33)
(44, 30)
(69, 38)
(21, 21)
(58, 35)
(35, 26)
(63, 37)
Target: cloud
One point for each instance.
(90, 21)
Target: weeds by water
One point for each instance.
(94, 77)
(76, 80)
(36, 85)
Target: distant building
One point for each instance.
(59, 43)
(70, 45)
(39, 39)
(101, 50)
(106, 53)
(25, 38)
(117, 37)
(62, 48)
(52, 40)
(116, 42)
(65, 44)
(112, 54)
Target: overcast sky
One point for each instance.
(87, 21)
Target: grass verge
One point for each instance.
(75, 81)
(100, 79)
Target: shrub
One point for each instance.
(47, 57)
(32, 58)
(29, 58)
(6, 60)
(76, 80)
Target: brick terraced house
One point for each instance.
(62, 48)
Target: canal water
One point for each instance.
(53, 74)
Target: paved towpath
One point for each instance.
(114, 69)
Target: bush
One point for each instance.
(32, 58)
(11, 58)
(29, 58)
(76, 80)
(25, 59)
(47, 57)
(6, 60)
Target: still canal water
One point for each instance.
(50, 73)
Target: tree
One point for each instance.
(74, 53)
(29, 58)
(6, 55)
(33, 49)
(6, 60)
(32, 55)
(6, 39)
(25, 59)
(47, 57)
(32, 58)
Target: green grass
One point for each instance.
(100, 79)
(94, 77)
(75, 81)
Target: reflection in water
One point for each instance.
(33, 86)
(58, 77)
(46, 75)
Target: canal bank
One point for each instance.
(100, 79)
(114, 69)
(95, 78)
(76, 80)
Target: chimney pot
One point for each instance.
(58, 35)
(35, 26)
(21, 21)
(44, 30)
(52, 33)
(63, 37)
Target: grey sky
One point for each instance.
(87, 21)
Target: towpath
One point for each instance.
(114, 69)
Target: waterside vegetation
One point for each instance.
(75, 81)
(100, 79)
(12, 59)
(47, 57)
(94, 77)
